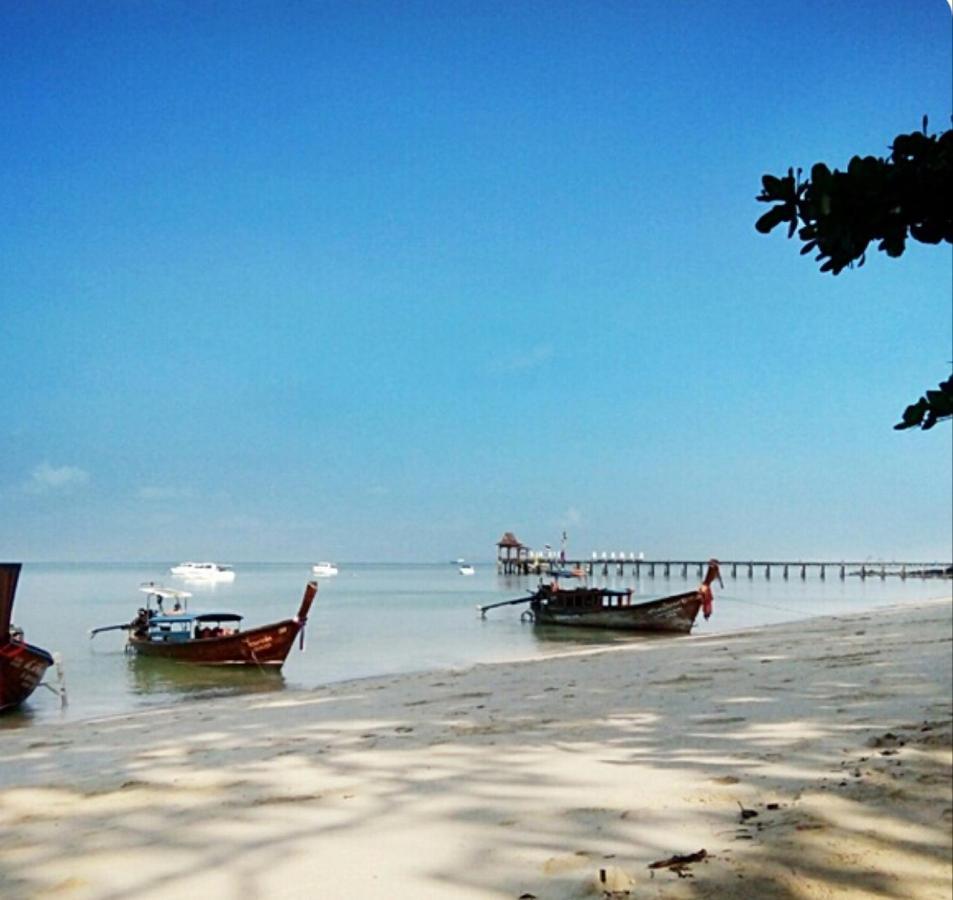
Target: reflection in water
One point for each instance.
(165, 678)
(18, 717)
(594, 637)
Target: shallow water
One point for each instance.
(369, 620)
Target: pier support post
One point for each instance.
(700, 570)
(803, 572)
(651, 570)
(638, 569)
(751, 570)
(668, 570)
(785, 572)
(843, 572)
(823, 573)
(767, 572)
(903, 573)
(883, 572)
(684, 570)
(734, 570)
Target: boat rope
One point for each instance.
(254, 656)
(60, 688)
(774, 606)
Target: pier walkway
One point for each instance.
(666, 568)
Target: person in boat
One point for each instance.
(140, 624)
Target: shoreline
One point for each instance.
(352, 631)
(652, 642)
(506, 778)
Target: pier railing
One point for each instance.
(730, 568)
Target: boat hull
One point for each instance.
(268, 645)
(22, 667)
(584, 608)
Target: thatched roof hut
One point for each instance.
(509, 540)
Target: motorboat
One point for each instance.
(593, 607)
(214, 638)
(203, 571)
(324, 570)
(467, 569)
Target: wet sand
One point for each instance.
(807, 760)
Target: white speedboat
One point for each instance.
(203, 571)
(324, 570)
(467, 569)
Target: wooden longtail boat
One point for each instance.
(22, 666)
(210, 638)
(590, 607)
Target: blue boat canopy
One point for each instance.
(189, 618)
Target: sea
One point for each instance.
(369, 620)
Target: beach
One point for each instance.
(808, 759)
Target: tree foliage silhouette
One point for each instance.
(909, 194)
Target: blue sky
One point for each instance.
(374, 281)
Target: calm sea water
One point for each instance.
(369, 620)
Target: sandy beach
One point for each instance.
(805, 760)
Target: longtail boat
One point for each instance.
(22, 666)
(592, 607)
(209, 638)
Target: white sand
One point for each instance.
(515, 779)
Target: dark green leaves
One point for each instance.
(934, 407)
(773, 217)
(883, 201)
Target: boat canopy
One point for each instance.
(189, 618)
(183, 619)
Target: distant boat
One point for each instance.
(467, 569)
(208, 638)
(22, 666)
(324, 570)
(203, 571)
(603, 608)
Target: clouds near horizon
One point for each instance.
(46, 478)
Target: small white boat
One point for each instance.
(467, 569)
(203, 571)
(324, 570)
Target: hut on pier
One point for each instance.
(511, 554)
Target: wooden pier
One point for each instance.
(730, 568)
(515, 558)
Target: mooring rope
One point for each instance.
(784, 609)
